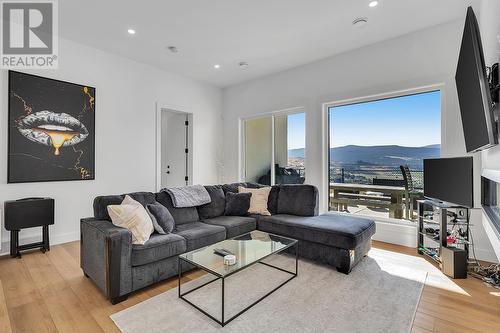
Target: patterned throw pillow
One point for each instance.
(258, 200)
(131, 215)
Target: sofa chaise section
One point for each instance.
(338, 240)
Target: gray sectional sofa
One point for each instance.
(119, 267)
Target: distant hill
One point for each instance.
(391, 155)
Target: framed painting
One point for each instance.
(51, 132)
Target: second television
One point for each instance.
(449, 180)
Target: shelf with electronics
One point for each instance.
(443, 235)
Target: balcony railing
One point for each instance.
(365, 174)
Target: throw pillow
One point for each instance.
(131, 215)
(258, 200)
(216, 206)
(164, 220)
(156, 226)
(237, 204)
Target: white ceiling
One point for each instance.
(271, 35)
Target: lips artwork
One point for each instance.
(51, 129)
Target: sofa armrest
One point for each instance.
(105, 256)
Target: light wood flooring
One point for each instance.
(48, 293)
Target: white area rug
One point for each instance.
(381, 294)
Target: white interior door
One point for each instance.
(174, 148)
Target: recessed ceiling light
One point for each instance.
(243, 64)
(173, 49)
(373, 3)
(216, 66)
(360, 22)
(131, 31)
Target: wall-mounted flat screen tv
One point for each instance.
(473, 90)
(449, 180)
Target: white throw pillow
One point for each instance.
(258, 200)
(132, 215)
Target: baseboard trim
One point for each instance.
(54, 240)
(396, 233)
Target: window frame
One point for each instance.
(364, 99)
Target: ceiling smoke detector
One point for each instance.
(172, 49)
(360, 22)
(243, 64)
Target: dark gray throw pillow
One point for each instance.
(237, 204)
(161, 217)
(216, 206)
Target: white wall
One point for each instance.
(126, 98)
(423, 58)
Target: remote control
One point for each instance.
(222, 252)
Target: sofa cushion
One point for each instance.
(216, 206)
(130, 214)
(237, 204)
(233, 187)
(336, 230)
(235, 225)
(165, 223)
(101, 203)
(199, 234)
(156, 226)
(158, 247)
(258, 200)
(180, 215)
(301, 200)
(272, 201)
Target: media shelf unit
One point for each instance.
(447, 220)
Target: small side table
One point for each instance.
(28, 213)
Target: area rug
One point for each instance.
(381, 294)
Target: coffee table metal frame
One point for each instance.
(224, 321)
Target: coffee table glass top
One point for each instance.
(248, 249)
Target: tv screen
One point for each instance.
(473, 90)
(449, 180)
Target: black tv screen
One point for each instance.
(449, 180)
(473, 90)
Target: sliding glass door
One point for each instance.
(275, 149)
(258, 150)
(289, 148)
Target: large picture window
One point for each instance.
(376, 152)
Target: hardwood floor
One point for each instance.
(48, 293)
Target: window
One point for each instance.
(376, 152)
(277, 140)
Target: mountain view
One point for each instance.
(361, 164)
(384, 156)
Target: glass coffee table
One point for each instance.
(249, 249)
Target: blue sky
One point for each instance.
(296, 130)
(412, 121)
